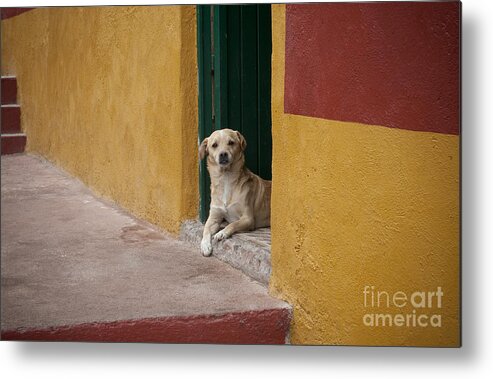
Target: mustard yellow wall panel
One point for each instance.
(110, 94)
(365, 227)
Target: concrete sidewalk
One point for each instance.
(75, 267)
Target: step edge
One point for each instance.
(192, 226)
(12, 135)
(69, 332)
(281, 306)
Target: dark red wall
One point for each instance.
(390, 64)
(11, 12)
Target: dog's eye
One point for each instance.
(214, 145)
(231, 142)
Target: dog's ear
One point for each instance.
(242, 141)
(203, 149)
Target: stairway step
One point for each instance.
(13, 143)
(255, 327)
(11, 119)
(9, 90)
(78, 268)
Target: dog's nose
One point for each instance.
(223, 158)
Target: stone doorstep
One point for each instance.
(247, 252)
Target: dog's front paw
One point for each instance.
(219, 236)
(206, 247)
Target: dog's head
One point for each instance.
(224, 147)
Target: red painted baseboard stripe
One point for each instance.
(255, 327)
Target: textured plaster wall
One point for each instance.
(109, 94)
(356, 205)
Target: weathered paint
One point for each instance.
(355, 205)
(110, 94)
(392, 64)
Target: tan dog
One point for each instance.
(237, 195)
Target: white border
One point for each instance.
(84, 360)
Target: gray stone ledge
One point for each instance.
(248, 252)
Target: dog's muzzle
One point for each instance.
(223, 158)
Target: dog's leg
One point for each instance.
(211, 227)
(244, 223)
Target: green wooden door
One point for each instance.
(234, 58)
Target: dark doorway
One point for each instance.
(234, 59)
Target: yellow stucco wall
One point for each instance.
(356, 205)
(110, 94)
